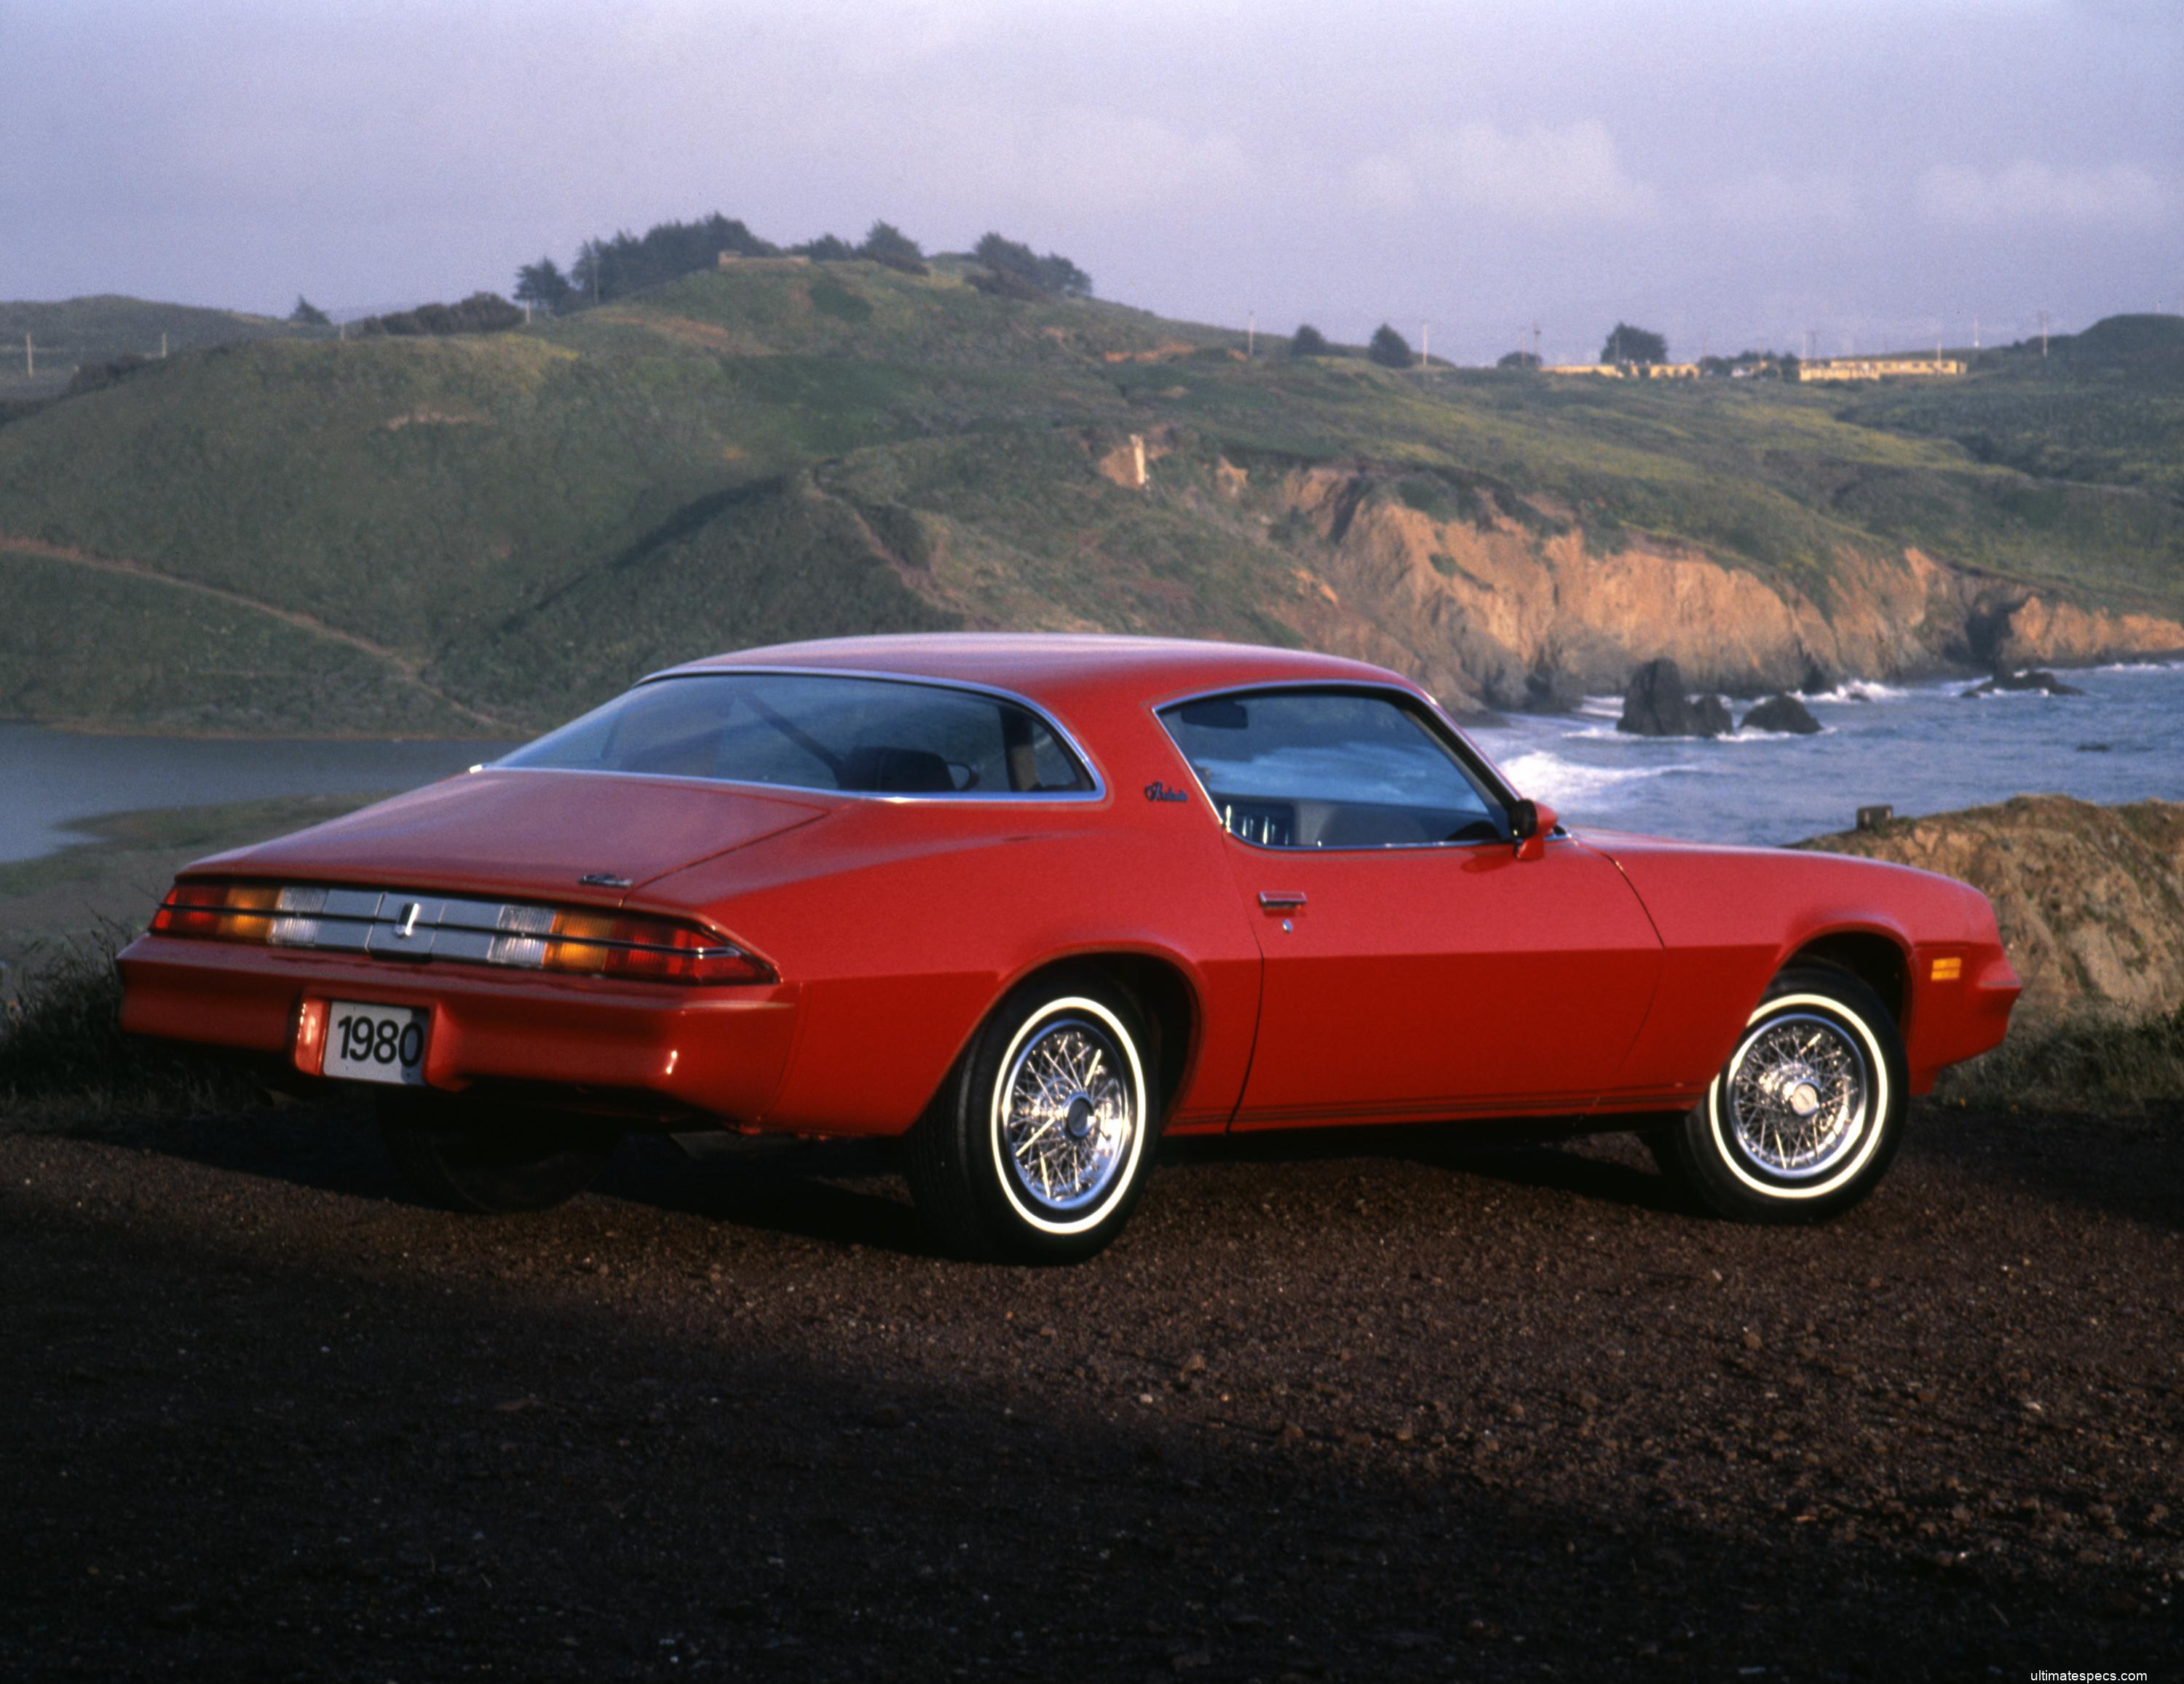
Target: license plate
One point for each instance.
(376, 1043)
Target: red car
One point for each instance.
(1026, 903)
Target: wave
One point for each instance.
(2136, 667)
(1861, 690)
(1548, 776)
(1608, 734)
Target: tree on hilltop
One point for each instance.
(887, 245)
(608, 269)
(543, 284)
(1309, 342)
(1520, 359)
(1629, 344)
(826, 248)
(1389, 349)
(308, 314)
(1017, 271)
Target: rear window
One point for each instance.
(867, 736)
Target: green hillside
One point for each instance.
(2104, 405)
(426, 535)
(94, 329)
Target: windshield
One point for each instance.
(871, 736)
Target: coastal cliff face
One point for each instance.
(2090, 899)
(1498, 609)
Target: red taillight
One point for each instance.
(226, 911)
(577, 941)
(645, 950)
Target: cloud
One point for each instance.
(1770, 199)
(2121, 195)
(1536, 176)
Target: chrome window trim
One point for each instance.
(1438, 722)
(1062, 735)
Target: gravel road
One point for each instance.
(1365, 1406)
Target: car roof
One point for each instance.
(1056, 665)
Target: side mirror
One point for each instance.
(1531, 822)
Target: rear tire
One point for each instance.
(1037, 1147)
(1805, 1118)
(490, 1159)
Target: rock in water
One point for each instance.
(1710, 717)
(1782, 713)
(2036, 679)
(1655, 705)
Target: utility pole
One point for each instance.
(2043, 336)
(1975, 333)
(1425, 345)
(1250, 335)
(30, 359)
(163, 348)
(1536, 363)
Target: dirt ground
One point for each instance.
(1353, 1408)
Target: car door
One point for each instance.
(1414, 966)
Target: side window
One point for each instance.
(1331, 769)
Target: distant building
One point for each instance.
(1877, 368)
(1627, 370)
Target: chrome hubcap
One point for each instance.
(1798, 1093)
(1067, 1114)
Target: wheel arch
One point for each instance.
(1158, 986)
(1880, 960)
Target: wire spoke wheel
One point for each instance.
(1799, 1093)
(1067, 1115)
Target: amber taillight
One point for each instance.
(572, 940)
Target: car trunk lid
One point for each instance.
(552, 835)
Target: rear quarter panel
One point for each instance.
(903, 922)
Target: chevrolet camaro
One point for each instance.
(1025, 903)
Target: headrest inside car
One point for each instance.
(896, 771)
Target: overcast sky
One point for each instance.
(1730, 174)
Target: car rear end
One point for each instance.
(601, 1005)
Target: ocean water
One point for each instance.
(51, 781)
(1920, 748)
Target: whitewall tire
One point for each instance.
(1806, 1115)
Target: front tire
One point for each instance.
(1807, 1114)
(490, 1159)
(1037, 1148)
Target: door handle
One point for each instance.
(1280, 899)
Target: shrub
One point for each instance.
(2090, 1063)
(63, 1055)
(543, 284)
(1629, 344)
(1309, 342)
(480, 313)
(1518, 359)
(308, 314)
(91, 376)
(826, 248)
(887, 244)
(1389, 349)
(1052, 275)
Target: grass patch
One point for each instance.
(2089, 1064)
(64, 1060)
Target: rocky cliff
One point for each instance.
(2090, 899)
(1518, 606)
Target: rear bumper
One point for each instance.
(631, 1047)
